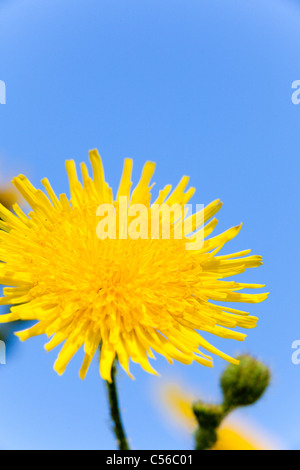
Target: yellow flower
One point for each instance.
(178, 404)
(232, 438)
(131, 296)
(8, 196)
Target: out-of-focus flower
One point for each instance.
(131, 296)
(179, 405)
(8, 195)
(233, 438)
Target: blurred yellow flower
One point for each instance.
(231, 438)
(131, 296)
(8, 195)
(178, 404)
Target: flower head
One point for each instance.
(133, 297)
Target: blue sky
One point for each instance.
(204, 89)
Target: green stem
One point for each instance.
(115, 411)
(205, 438)
(209, 417)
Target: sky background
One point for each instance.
(204, 89)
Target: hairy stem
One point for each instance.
(115, 411)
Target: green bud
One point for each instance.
(244, 384)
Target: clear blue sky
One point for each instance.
(204, 89)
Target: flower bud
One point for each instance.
(244, 384)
